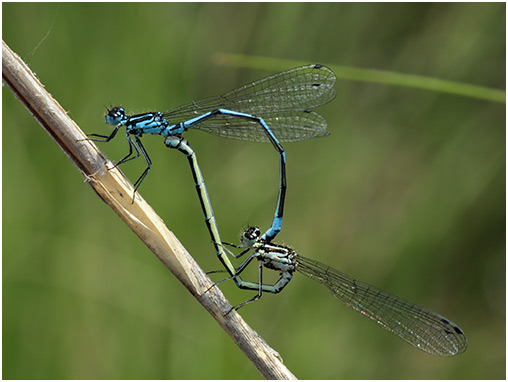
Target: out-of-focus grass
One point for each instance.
(371, 75)
(407, 193)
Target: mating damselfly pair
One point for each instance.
(279, 109)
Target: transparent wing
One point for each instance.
(420, 327)
(284, 100)
(286, 126)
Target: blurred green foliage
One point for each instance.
(407, 193)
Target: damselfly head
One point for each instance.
(250, 236)
(116, 116)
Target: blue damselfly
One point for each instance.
(275, 109)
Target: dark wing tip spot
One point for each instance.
(455, 328)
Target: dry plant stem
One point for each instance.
(110, 184)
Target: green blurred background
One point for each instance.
(407, 193)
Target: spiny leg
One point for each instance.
(147, 160)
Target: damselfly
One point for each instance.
(275, 109)
(422, 328)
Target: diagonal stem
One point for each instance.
(114, 189)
